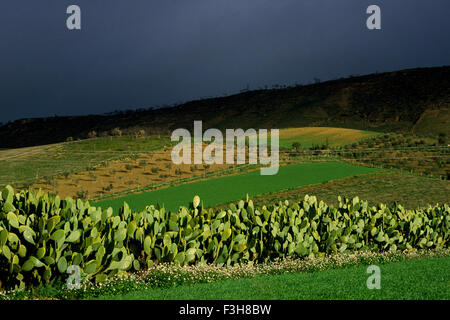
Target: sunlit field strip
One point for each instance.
(231, 188)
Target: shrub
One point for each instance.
(116, 132)
(442, 138)
(142, 163)
(140, 133)
(108, 188)
(82, 194)
(296, 146)
(41, 235)
(92, 134)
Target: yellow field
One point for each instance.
(309, 136)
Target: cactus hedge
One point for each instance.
(41, 235)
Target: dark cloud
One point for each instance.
(142, 53)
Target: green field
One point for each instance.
(231, 188)
(424, 279)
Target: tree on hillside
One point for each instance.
(296, 146)
(92, 134)
(116, 132)
(442, 138)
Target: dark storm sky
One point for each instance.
(142, 53)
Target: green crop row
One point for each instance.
(41, 236)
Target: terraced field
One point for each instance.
(100, 166)
(27, 166)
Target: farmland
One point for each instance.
(385, 186)
(27, 166)
(227, 189)
(100, 166)
(422, 155)
(332, 137)
(231, 201)
(103, 167)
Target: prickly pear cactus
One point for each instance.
(41, 236)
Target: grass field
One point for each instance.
(231, 188)
(410, 190)
(424, 279)
(310, 136)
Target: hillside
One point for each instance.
(415, 100)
